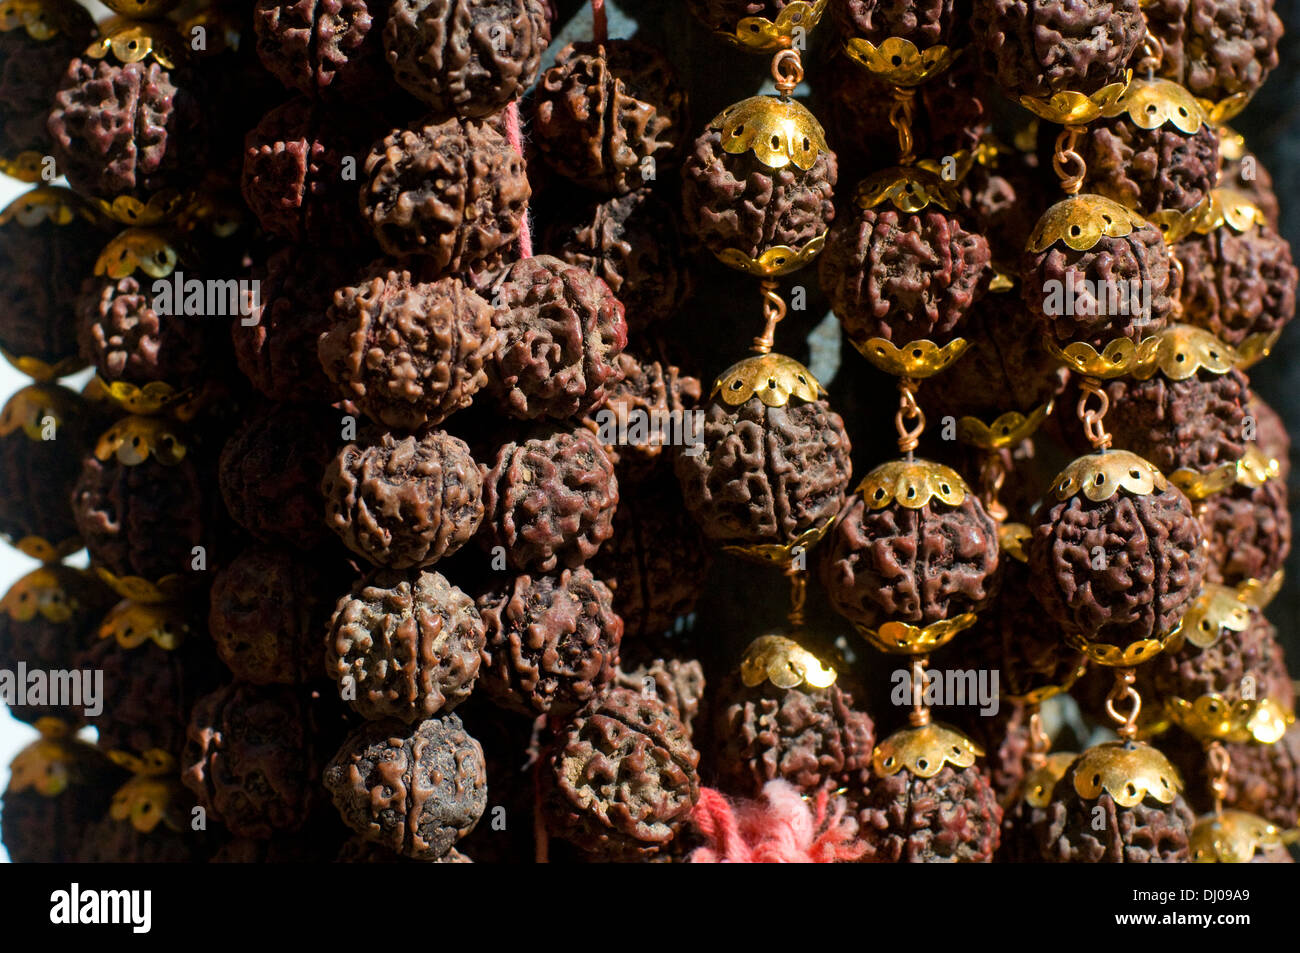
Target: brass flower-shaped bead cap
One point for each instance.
(1099, 476)
(1081, 221)
(1258, 593)
(138, 589)
(898, 61)
(41, 19)
(1006, 430)
(924, 751)
(776, 260)
(916, 359)
(153, 793)
(46, 203)
(40, 592)
(903, 638)
(1069, 107)
(908, 188)
(48, 764)
(133, 41)
(39, 411)
(779, 132)
(1218, 609)
(1181, 350)
(1039, 783)
(1232, 837)
(1121, 656)
(1129, 771)
(145, 250)
(1231, 208)
(1214, 717)
(1118, 358)
(785, 663)
(912, 484)
(766, 35)
(131, 624)
(133, 440)
(1012, 540)
(1226, 109)
(1152, 103)
(780, 554)
(1255, 468)
(773, 378)
(140, 9)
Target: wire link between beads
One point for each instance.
(993, 474)
(1094, 426)
(773, 312)
(920, 715)
(1219, 763)
(1067, 156)
(1039, 741)
(787, 71)
(909, 437)
(1153, 55)
(1121, 691)
(900, 117)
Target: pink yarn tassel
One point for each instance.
(779, 828)
(516, 141)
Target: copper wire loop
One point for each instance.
(1094, 426)
(900, 117)
(1066, 156)
(908, 409)
(1123, 690)
(1219, 763)
(993, 473)
(773, 312)
(920, 715)
(787, 71)
(1176, 290)
(1153, 54)
(798, 596)
(1039, 742)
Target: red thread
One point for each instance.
(599, 26)
(516, 141)
(779, 828)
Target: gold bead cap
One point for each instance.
(773, 378)
(766, 35)
(1129, 771)
(30, 409)
(898, 61)
(131, 624)
(780, 132)
(1099, 476)
(137, 249)
(923, 752)
(909, 189)
(46, 203)
(912, 484)
(785, 663)
(1232, 837)
(1152, 103)
(1081, 221)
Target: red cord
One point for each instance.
(516, 141)
(599, 26)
